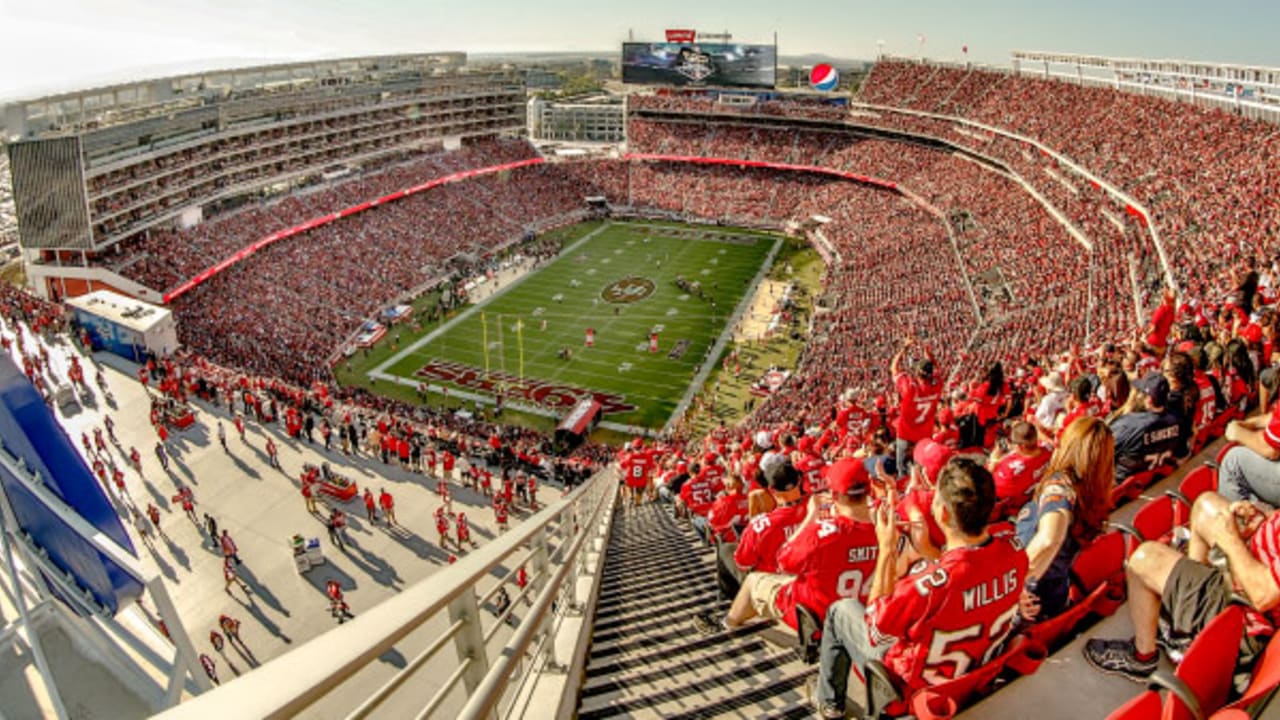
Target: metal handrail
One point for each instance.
(289, 684)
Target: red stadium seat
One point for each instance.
(1146, 706)
(1157, 518)
(1263, 684)
(1203, 680)
(1097, 587)
(1132, 486)
(1196, 482)
(943, 701)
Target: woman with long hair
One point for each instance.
(1184, 395)
(1068, 510)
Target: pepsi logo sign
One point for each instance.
(823, 77)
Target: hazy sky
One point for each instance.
(48, 45)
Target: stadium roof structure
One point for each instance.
(127, 102)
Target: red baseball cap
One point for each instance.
(931, 456)
(847, 477)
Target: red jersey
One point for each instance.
(699, 494)
(1272, 433)
(831, 559)
(1088, 409)
(1264, 544)
(758, 548)
(1206, 401)
(636, 467)
(953, 615)
(853, 420)
(1016, 474)
(810, 467)
(919, 406)
(1161, 323)
(728, 513)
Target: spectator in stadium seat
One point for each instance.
(918, 395)
(1146, 433)
(1052, 404)
(1173, 596)
(758, 548)
(1157, 331)
(727, 520)
(1017, 472)
(1184, 397)
(1251, 471)
(828, 556)
(976, 582)
(1067, 511)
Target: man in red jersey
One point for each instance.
(852, 419)
(1157, 331)
(698, 495)
(918, 394)
(1172, 596)
(758, 548)
(728, 513)
(832, 554)
(636, 465)
(1017, 472)
(941, 621)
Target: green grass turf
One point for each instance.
(567, 294)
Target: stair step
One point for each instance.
(707, 690)
(685, 609)
(709, 660)
(637, 641)
(636, 624)
(650, 582)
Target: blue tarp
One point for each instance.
(30, 432)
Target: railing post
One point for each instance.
(540, 567)
(469, 640)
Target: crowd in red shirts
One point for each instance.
(285, 310)
(165, 258)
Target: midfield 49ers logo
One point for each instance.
(628, 290)
(555, 397)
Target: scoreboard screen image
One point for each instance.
(714, 64)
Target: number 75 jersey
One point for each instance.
(953, 615)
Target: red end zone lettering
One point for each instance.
(548, 395)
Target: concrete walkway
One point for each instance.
(262, 507)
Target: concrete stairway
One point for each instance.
(647, 661)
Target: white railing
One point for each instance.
(493, 665)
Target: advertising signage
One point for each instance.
(711, 64)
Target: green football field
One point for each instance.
(621, 280)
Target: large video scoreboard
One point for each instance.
(699, 63)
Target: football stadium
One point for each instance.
(698, 378)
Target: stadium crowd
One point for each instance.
(165, 258)
(1102, 417)
(286, 309)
